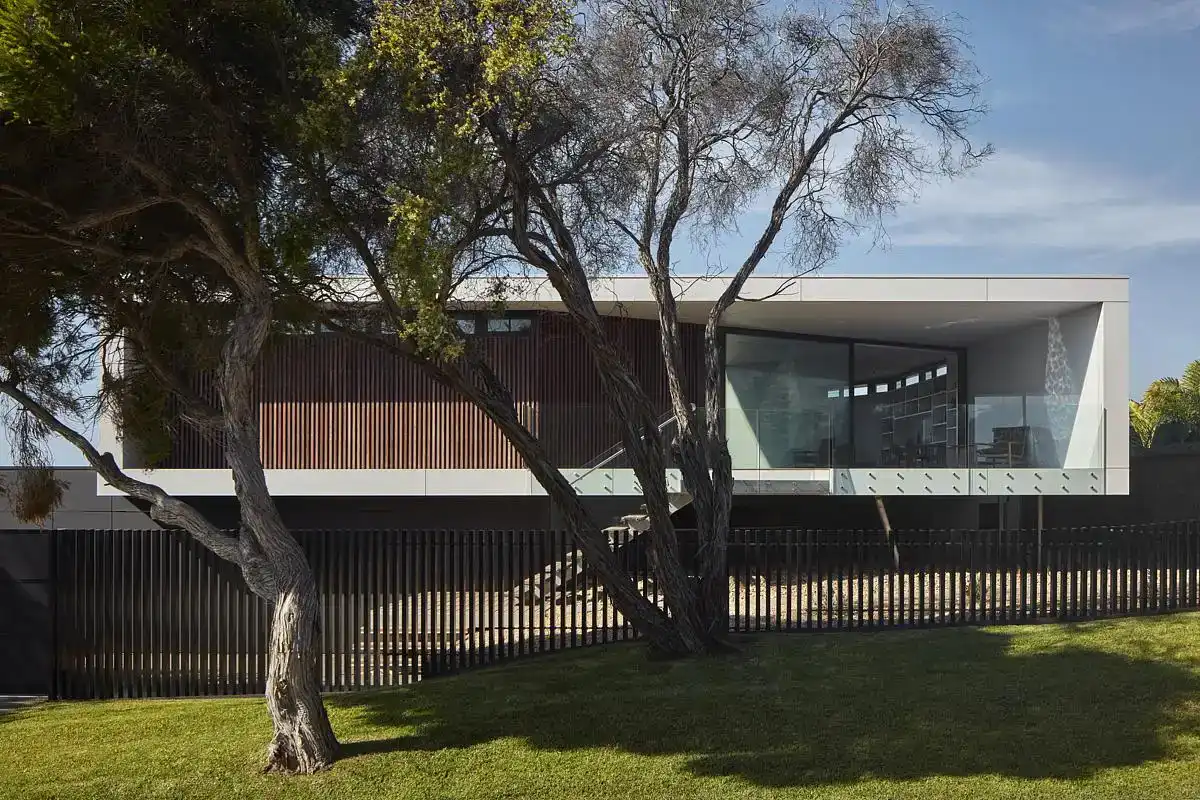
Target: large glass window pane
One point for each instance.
(787, 402)
(912, 418)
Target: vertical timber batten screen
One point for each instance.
(154, 614)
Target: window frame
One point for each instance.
(481, 322)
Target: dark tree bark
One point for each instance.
(472, 377)
(641, 437)
(475, 380)
(303, 739)
(664, 634)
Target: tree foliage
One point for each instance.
(661, 122)
(1165, 401)
(145, 214)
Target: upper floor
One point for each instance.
(859, 385)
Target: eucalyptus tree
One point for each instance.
(397, 190)
(142, 149)
(652, 122)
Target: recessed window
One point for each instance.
(881, 388)
(861, 391)
(509, 325)
(481, 323)
(942, 370)
(929, 376)
(833, 393)
(911, 380)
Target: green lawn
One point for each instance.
(1100, 710)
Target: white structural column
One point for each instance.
(1114, 321)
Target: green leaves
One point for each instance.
(1145, 419)
(1168, 400)
(462, 59)
(37, 65)
(449, 64)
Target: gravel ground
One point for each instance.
(794, 602)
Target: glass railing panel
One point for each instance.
(1051, 433)
(786, 439)
(994, 432)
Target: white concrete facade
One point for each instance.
(1010, 329)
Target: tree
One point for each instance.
(141, 213)
(1168, 400)
(395, 187)
(1145, 418)
(182, 234)
(660, 116)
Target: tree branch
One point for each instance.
(164, 508)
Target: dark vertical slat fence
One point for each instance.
(153, 614)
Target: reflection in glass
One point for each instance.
(787, 402)
(794, 403)
(1027, 430)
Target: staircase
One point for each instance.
(561, 578)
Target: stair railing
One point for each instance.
(617, 450)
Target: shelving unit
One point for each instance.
(931, 401)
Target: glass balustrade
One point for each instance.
(1002, 431)
(1055, 434)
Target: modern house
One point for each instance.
(958, 399)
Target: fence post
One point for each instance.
(54, 688)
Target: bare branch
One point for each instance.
(163, 508)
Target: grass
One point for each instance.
(1098, 710)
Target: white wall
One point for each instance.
(1008, 373)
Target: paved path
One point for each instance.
(13, 702)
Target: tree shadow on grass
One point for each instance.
(822, 709)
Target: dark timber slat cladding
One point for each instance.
(326, 402)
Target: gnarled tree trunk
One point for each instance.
(713, 530)
(303, 740)
(665, 634)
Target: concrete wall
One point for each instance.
(416, 513)
(81, 508)
(25, 618)
(1009, 384)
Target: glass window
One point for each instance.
(509, 324)
(908, 421)
(466, 325)
(786, 402)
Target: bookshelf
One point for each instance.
(925, 410)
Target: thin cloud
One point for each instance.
(1017, 200)
(1142, 16)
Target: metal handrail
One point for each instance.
(616, 450)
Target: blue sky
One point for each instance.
(1094, 117)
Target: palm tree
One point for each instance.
(1168, 400)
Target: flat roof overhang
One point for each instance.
(941, 310)
(915, 309)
